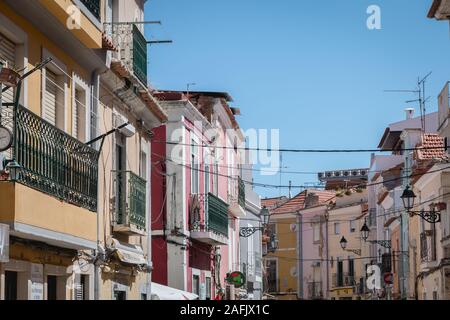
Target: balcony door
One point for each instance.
(340, 274)
(121, 177)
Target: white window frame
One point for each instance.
(337, 228)
(57, 67)
(20, 38)
(196, 156)
(78, 82)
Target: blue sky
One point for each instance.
(309, 68)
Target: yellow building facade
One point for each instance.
(76, 214)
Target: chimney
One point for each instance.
(409, 113)
(311, 200)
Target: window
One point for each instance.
(207, 174)
(8, 55)
(340, 274)
(120, 295)
(195, 172)
(352, 226)
(216, 179)
(143, 165)
(351, 267)
(53, 103)
(196, 284)
(80, 105)
(316, 232)
(52, 282)
(336, 228)
(272, 275)
(208, 288)
(10, 285)
(82, 288)
(435, 295)
(143, 296)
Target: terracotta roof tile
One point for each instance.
(273, 202)
(298, 202)
(436, 145)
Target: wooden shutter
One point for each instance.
(49, 105)
(8, 54)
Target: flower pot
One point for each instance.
(9, 77)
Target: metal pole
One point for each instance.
(299, 257)
(404, 239)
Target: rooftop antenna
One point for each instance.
(420, 91)
(188, 87)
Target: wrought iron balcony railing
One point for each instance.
(315, 290)
(342, 280)
(209, 213)
(241, 193)
(51, 160)
(130, 199)
(93, 6)
(132, 47)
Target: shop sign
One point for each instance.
(37, 281)
(236, 278)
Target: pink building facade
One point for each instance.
(195, 223)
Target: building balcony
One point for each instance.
(237, 199)
(88, 30)
(342, 280)
(93, 6)
(131, 48)
(209, 219)
(53, 195)
(315, 290)
(129, 203)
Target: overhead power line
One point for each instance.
(299, 150)
(264, 185)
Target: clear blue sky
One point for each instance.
(309, 68)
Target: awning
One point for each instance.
(128, 253)
(161, 292)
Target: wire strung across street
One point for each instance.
(298, 150)
(264, 185)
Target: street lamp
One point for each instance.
(365, 235)
(365, 231)
(264, 215)
(13, 168)
(343, 244)
(408, 198)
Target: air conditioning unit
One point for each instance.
(119, 120)
(315, 264)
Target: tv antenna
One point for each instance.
(422, 99)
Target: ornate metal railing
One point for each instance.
(342, 280)
(93, 6)
(130, 199)
(315, 290)
(132, 47)
(54, 162)
(139, 55)
(241, 193)
(211, 214)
